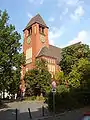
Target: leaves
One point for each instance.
(71, 55)
(38, 78)
(76, 64)
(9, 54)
(59, 77)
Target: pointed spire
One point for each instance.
(36, 19)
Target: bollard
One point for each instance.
(42, 110)
(29, 113)
(16, 113)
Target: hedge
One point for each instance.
(68, 100)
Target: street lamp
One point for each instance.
(54, 91)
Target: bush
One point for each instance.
(39, 98)
(33, 98)
(62, 88)
(82, 96)
(62, 101)
(30, 98)
(29, 92)
(68, 99)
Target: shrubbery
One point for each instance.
(74, 90)
(69, 99)
(38, 79)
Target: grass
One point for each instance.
(34, 98)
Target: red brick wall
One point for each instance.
(57, 67)
(35, 43)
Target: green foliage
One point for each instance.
(41, 64)
(68, 100)
(80, 73)
(40, 98)
(33, 98)
(75, 64)
(71, 55)
(84, 69)
(30, 98)
(62, 101)
(38, 79)
(10, 57)
(74, 78)
(62, 88)
(59, 77)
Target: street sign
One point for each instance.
(53, 86)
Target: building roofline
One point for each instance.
(36, 19)
(40, 51)
(34, 23)
(46, 56)
(55, 46)
(73, 44)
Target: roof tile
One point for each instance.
(36, 19)
(52, 51)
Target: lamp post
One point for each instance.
(54, 91)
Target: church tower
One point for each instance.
(35, 38)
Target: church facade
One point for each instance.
(36, 45)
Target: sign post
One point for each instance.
(54, 91)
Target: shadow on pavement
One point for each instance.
(10, 114)
(3, 105)
(38, 113)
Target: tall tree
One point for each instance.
(10, 58)
(80, 74)
(38, 79)
(76, 64)
(71, 55)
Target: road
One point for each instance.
(23, 114)
(36, 111)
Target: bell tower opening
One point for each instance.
(41, 29)
(30, 31)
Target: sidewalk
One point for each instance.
(36, 112)
(70, 115)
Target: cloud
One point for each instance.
(68, 2)
(41, 2)
(83, 36)
(36, 1)
(51, 19)
(54, 34)
(65, 11)
(29, 15)
(72, 2)
(78, 13)
(51, 42)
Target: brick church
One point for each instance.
(36, 45)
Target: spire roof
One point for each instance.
(36, 19)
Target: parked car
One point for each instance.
(86, 116)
